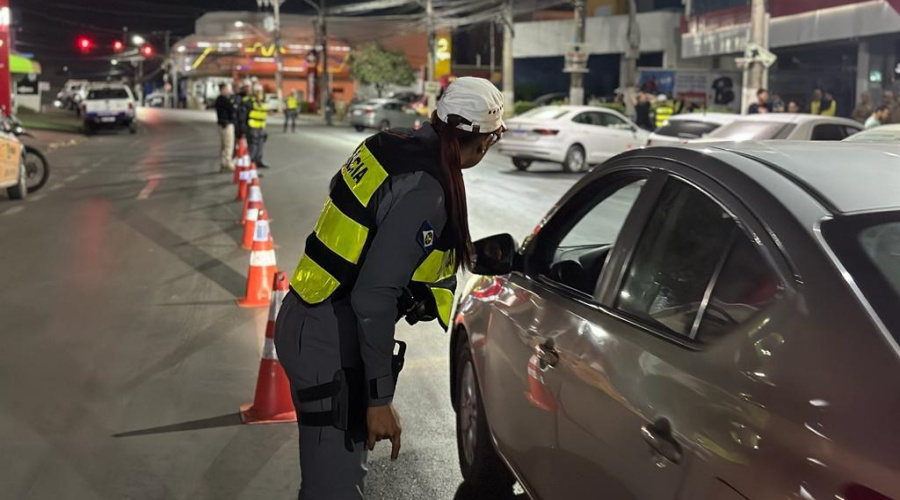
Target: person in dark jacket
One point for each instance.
(388, 244)
(242, 109)
(226, 115)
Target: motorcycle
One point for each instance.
(37, 169)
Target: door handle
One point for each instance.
(659, 436)
(547, 355)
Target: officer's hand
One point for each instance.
(384, 423)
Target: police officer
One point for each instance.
(256, 125)
(663, 110)
(388, 243)
(241, 106)
(292, 107)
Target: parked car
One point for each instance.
(70, 96)
(795, 127)
(702, 322)
(573, 136)
(108, 106)
(13, 173)
(383, 114)
(271, 102)
(684, 128)
(884, 133)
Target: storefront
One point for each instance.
(26, 85)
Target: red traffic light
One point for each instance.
(147, 50)
(84, 44)
(118, 46)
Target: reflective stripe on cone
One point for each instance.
(262, 266)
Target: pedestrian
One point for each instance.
(776, 103)
(893, 106)
(242, 109)
(878, 117)
(291, 109)
(822, 103)
(397, 209)
(642, 111)
(863, 109)
(793, 107)
(663, 110)
(762, 101)
(225, 116)
(256, 125)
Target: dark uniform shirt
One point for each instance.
(225, 111)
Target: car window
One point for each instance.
(612, 121)
(108, 94)
(687, 129)
(748, 130)
(580, 255)
(848, 130)
(828, 132)
(544, 113)
(583, 118)
(675, 259)
(745, 286)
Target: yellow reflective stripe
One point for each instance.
(437, 266)
(444, 300)
(341, 234)
(363, 174)
(313, 283)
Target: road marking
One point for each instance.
(151, 185)
(83, 171)
(57, 186)
(13, 210)
(37, 197)
(71, 178)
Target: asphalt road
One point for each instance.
(124, 359)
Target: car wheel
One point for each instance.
(576, 160)
(37, 170)
(359, 128)
(132, 128)
(481, 467)
(88, 129)
(20, 190)
(384, 125)
(521, 163)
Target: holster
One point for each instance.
(416, 304)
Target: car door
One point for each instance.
(582, 132)
(520, 385)
(640, 400)
(621, 134)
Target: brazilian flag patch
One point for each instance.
(426, 236)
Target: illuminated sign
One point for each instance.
(264, 50)
(442, 55)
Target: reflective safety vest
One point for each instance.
(663, 113)
(258, 114)
(346, 226)
(291, 103)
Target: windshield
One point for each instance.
(544, 113)
(687, 129)
(108, 94)
(875, 135)
(750, 131)
(869, 247)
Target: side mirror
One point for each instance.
(494, 255)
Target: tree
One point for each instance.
(375, 65)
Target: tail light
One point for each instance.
(545, 131)
(860, 492)
(370, 112)
(130, 106)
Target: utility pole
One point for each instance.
(576, 86)
(429, 64)
(755, 73)
(508, 87)
(631, 56)
(324, 78)
(276, 39)
(493, 43)
(5, 74)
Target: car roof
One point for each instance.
(844, 177)
(720, 118)
(795, 118)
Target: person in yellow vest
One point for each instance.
(824, 105)
(256, 126)
(291, 110)
(387, 245)
(663, 110)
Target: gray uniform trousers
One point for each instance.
(255, 144)
(311, 342)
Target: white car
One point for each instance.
(883, 134)
(71, 94)
(574, 136)
(795, 127)
(108, 106)
(686, 128)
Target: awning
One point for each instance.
(21, 65)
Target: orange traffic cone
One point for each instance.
(252, 207)
(241, 159)
(272, 401)
(262, 266)
(245, 177)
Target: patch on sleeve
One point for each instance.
(426, 236)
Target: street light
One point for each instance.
(138, 40)
(239, 24)
(114, 62)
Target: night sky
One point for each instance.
(49, 28)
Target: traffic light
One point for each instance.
(84, 44)
(147, 50)
(118, 46)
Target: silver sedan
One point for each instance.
(383, 114)
(710, 322)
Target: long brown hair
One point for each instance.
(454, 186)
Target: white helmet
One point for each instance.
(661, 98)
(476, 100)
